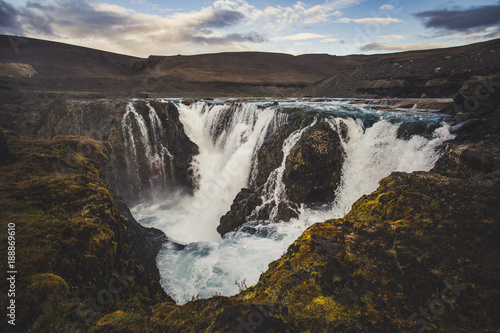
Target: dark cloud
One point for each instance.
(8, 18)
(462, 20)
(252, 37)
(70, 13)
(222, 18)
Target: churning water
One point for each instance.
(229, 136)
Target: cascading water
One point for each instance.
(229, 136)
(145, 135)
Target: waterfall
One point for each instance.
(274, 189)
(146, 147)
(229, 137)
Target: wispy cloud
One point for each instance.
(395, 37)
(399, 47)
(329, 40)
(462, 19)
(371, 20)
(301, 36)
(386, 7)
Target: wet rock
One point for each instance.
(243, 205)
(313, 166)
(311, 175)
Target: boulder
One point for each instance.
(243, 205)
(313, 167)
(311, 176)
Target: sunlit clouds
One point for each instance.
(142, 27)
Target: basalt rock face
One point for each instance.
(45, 116)
(243, 205)
(474, 112)
(311, 174)
(156, 152)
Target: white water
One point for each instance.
(209, 265)
(156, 154)
(222, 168)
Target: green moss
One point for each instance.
(69, 233)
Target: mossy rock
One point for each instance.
(40, 286)
(313, 167)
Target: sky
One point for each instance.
(337, 27)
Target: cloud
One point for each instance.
(118, 29)
(8, 16)
(386, 7)
(222, 18)
(392, 37)
(252, 37)
(371, 20)
(329, 40)
(299, 14)
(301, 36)
(223, 25)
(400, 47)
(462, 20)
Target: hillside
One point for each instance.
(28, 64)
(432, 73)
(36, 65)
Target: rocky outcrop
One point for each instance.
(313, 166)
(243, 205)
(154, 150)
(311, 174)
(79, 253)
(46, 116)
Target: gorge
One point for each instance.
(230, 137)
(277, 214)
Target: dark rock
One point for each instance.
(313, 167)
(311, 176)
(4, 148)
(270, 154)
(243, 205)
(408, 129)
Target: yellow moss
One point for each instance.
(112, 319)
(48, 284)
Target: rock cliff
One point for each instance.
(78, 252)
(311, 173)
(45, 116)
